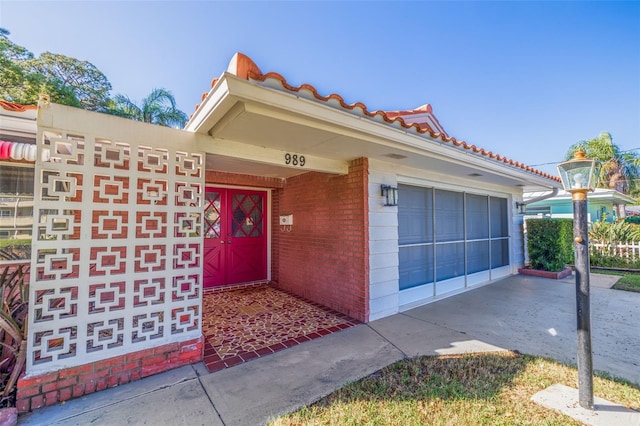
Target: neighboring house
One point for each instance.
(17, 158)
(266, 182)
(604, 204)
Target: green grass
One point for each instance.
(479, 389)
(10, 242)
(629, 282)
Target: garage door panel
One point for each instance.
(449, 261)
(477, 256)
(417, 267)
(499, 253)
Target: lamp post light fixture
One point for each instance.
(578, 178)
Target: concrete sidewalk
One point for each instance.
(532, 315)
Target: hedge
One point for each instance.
(550, 243)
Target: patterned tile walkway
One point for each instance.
(251, 322)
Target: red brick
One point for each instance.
(48, 387)
(154, 369)
(135, 375)
(112, 381)
(125, 367)
(171, 347)
(178, 360)
(139, 355)
(191, 347)
(123, 378)
(95, 375)
(51, 398)
(101, 384)
(37, 402)
(26, 393)
(23, 405)
(154, 360)
(64, 394)
(89, 387)
(76, 371)
(26, 382)
(78, 390)
(325, 259)
(110, 362)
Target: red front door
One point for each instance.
(235, 237)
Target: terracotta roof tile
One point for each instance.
(243, 67)
(10, 106)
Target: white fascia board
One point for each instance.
(213, 107)
(302, 110)
(18, 125)
(264, 155)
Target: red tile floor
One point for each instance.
(240, 324)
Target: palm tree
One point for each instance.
(617, 170)
(157, 108)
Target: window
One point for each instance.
(15, 180)
(16, 211)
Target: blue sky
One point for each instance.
(524, 79)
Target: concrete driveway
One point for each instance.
(531, 315)
(535, 316)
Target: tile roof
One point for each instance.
(243, 67)
(418, 116)
(10, 106)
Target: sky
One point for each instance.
(523, 79)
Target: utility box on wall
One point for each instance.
(286, 220)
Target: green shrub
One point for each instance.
(633, 219)
(596, 258)
(550, 243)
(13, 329)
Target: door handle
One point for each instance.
(221, 241)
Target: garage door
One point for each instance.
(449, 241)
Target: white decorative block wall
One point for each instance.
(117, 250)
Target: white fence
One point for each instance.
(629, 251)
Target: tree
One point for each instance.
(90, 86)
(157, 108)
(66, 80)
(69, 81)
(617, 170)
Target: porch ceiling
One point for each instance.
(275, 123)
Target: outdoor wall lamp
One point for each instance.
(578, 178)
(390, 194)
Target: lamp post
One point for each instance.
(578, 178)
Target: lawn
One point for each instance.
(479, 389)
(629, 282)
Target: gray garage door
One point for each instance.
(446, 236)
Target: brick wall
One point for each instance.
(222, 178)
(325, 257)
(52, 388)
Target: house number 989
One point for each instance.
(294, 159)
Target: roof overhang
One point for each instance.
(599, 194)
(256, 125)
(21, 123)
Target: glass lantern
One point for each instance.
(578, 174)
